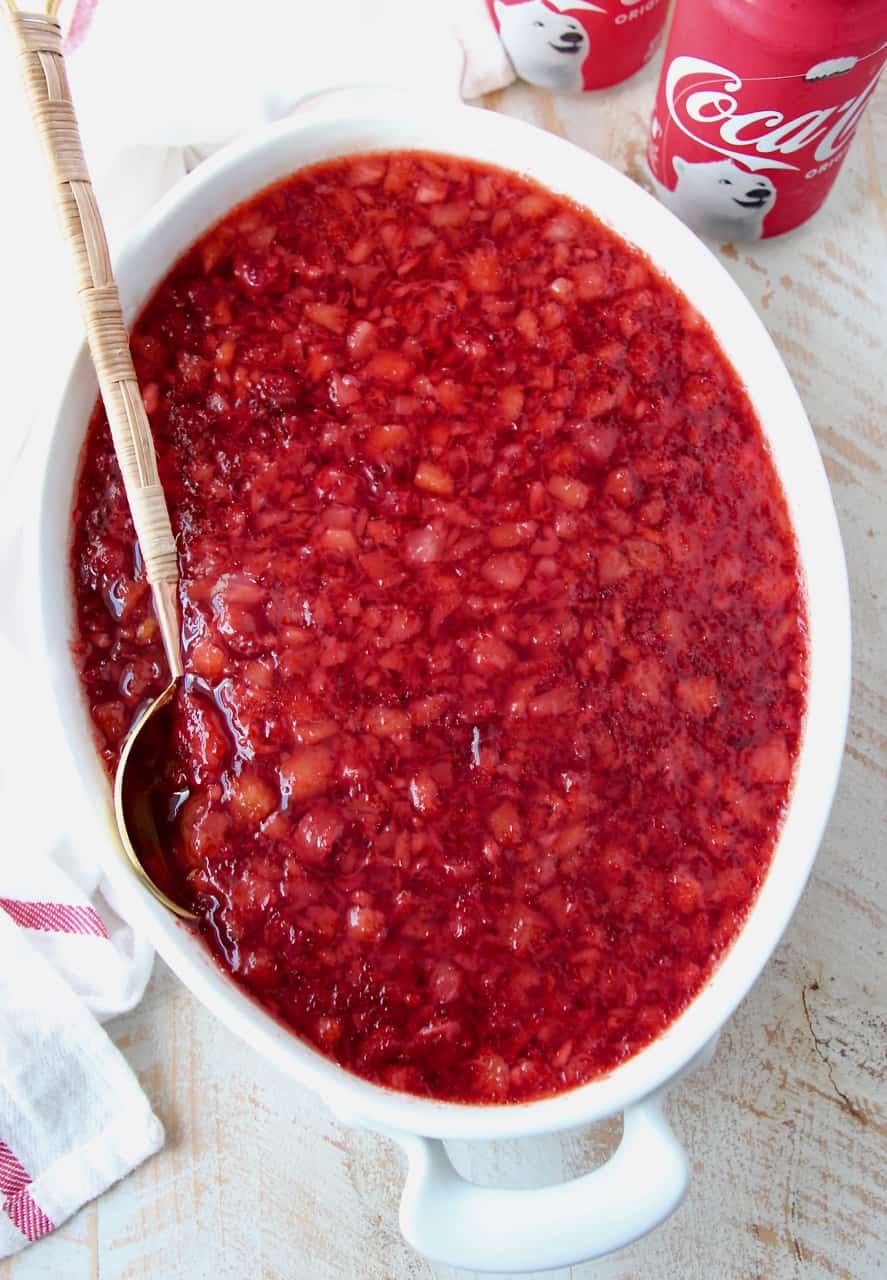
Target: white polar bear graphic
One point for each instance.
(546, 47)
(718, 199)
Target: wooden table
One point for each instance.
(786, 1127)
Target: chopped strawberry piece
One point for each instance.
(434, 479)
(613, 566)
(306, 772)
(698, 695)
(205, 737)
(389, 435)
(489, 653)
(362, 340)
(482, 271)
(506, 571)
(329, 317)
(591, 282)
(770, 763)
(389, 366)
(318, 830)
(424, 792)
(572, 493)
(387, 722)
(365, 923)
(505, 823)
(425, 545)
(250, 799)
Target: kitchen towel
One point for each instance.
(173, 74)
(157, 87)
(73, 1118)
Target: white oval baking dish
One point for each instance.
(441, 1214)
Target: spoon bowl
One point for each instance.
(144, 754)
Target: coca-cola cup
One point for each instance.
(758, 101)
(573, 45)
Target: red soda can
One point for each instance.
(757, 103)
(572, 45)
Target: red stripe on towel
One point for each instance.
(81, 18)
(18, 1203)
(13, 1176)
(54, 917)
(25, 1213)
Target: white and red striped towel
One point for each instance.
(73, 1118)
(182, 79)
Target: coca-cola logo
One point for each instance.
(703, 100)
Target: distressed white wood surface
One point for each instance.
(786, 1128)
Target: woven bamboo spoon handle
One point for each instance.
(43, 66)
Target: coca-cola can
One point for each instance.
(573, 45)
(757, 103)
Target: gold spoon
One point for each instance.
(39, 42)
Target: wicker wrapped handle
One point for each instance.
(43, 67)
